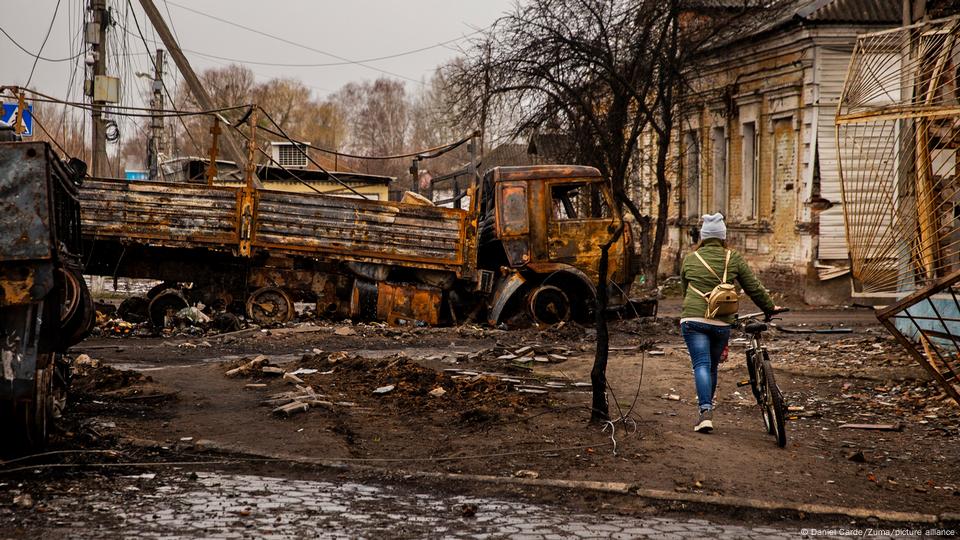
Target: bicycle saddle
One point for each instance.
(755, 327)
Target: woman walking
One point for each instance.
(706, 328)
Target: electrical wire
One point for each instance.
(295, 44)
(135, 112)
(56, 10)
(143, 38)
(326, 64)
(37, 55)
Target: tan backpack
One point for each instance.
(723, 299)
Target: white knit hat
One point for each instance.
(713, 227)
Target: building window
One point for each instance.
(691, 150)
(750, 171)
(719, 143)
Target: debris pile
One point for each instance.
(301, 400)
(93, 380)
(850, 354)
(335, 380)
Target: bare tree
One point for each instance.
(377, 114)
(600, 72)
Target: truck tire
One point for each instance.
(547, 304)
(77, 314)
(164, 304)
(135, 310)
(26, 423)
(270, 305)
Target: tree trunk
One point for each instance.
(600, 411)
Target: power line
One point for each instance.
(36, 58)
(295, 44)
(37, 55)
(186, 130)
(444, 44)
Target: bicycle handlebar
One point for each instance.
(766, 316)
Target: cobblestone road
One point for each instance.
(213, 505)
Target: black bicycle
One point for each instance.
(761, 380)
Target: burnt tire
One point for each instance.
(270, 305)
(548, 304)
(78, 314)
(26, 423)
(165, 305)
(135, 310)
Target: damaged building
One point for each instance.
(755, 139)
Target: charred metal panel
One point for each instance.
(358, 230)
(169, 215)
(396, 303)
(24, 203)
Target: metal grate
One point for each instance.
(898, 127)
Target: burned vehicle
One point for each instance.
(526, 246)
(45, 306)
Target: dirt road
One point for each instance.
(455, 401)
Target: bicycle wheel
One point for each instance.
(776, 410)
(758, 383)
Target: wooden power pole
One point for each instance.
(156, 122)
(231, 146)
(98, 39)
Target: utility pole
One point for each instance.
(231, 146)
(97, 37)
(156, 123)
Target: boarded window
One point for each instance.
(719, 143)
(691, 167)
(750, 170)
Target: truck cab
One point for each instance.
(548, 222)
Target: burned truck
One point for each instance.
(45, 306)
(527, 246)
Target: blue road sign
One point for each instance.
(10, 117)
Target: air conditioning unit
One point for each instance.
(292, 155)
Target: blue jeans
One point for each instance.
(705, 343)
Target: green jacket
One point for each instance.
(693, 273)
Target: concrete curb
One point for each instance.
(616, 488)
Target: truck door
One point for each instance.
(513, 222)
(578, 220)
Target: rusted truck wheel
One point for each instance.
(270, 305)
(77, 313)
(25, 423)
(547, 304)
(164, 305)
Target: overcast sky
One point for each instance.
(350, 30)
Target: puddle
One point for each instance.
(217, 505)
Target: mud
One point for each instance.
(483, 423)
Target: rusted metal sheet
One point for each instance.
(367, 231)
(168, 215)
(396, 303)
(38, 206)
(319, 226)
(24, 203)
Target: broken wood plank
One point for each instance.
(874, 427)
(291, 378)
(292, 408)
